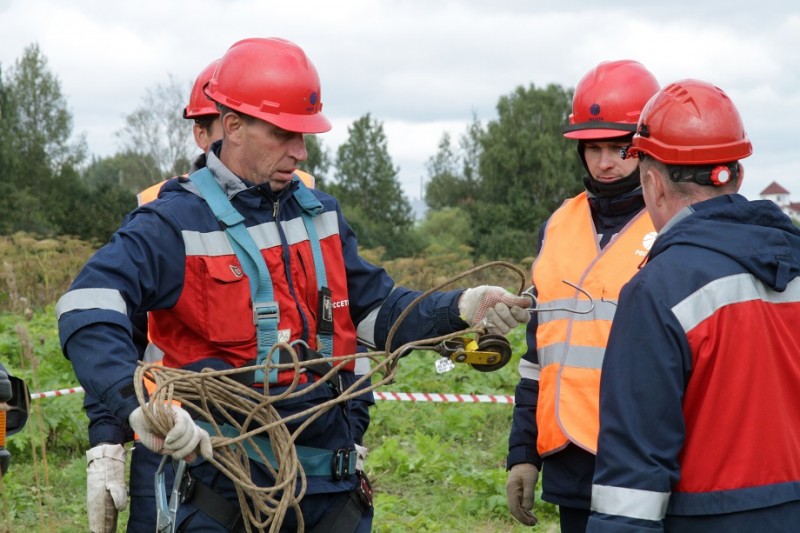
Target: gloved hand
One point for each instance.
(106, 493)
(362, 456)
(499, 310)
(520, 491)
(181, 442)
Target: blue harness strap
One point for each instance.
(312, 207)
(266, 314)
(316, 461)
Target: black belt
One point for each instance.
(212, 504)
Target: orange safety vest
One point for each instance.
(571, 346)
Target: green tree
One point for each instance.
(109, 203)
(318, 162)
(128, 170)
(38, 159)
(157, 129)
(367, 186)
(527, 169)
(453, 177)
(43, 123)
(444, 229)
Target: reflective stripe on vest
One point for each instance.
(571, 346)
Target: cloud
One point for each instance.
(422, 67)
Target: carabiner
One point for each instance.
(167, 515)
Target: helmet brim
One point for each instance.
(596, 134)
(316, 123)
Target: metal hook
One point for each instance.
(534, 308)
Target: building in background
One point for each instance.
(778, 194)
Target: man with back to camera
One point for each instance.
(699, 411)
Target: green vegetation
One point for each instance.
(434, 467)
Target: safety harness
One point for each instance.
(338, 464)
(266, 314)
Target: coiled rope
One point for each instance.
(212, 396)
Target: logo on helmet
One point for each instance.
(594, 109)
(313, 99)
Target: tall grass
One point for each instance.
(435, 467)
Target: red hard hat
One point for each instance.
(691, 122)
(608, 100)
(199, 104)
(272, 80)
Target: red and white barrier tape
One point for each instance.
(54, 393)
(434, 397)
(442, 398)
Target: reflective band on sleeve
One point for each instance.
(110, 299)
(729, 290)
(631, 503)
(529, 370)
(366, 328)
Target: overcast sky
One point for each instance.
(423, 67)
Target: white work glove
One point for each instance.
(520, 491)
(181, 442)
(362, 456)
(496, 308)
(106, 493)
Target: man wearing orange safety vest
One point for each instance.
(106, 491)
(596, 242)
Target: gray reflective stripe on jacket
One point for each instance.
(110, 299)
(265, 235)
(630, 503)
(703, 303)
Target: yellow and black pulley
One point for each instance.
(485, 353)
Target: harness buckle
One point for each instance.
(265, 311)
(340, 467)
(364, 489)
(186, 487)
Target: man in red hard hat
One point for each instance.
(595, 240)
(236, 257)
(699, 411)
